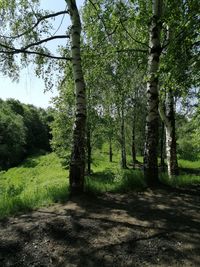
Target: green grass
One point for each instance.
(189, 164)
(41, 180)
(189, 174)
(183, 180)
(37, 181)
(109, 177)
(115, 181)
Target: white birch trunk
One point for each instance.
(172, 163)
(151, 130)
(168, 119)
(77, 163)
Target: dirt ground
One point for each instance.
(153, 228)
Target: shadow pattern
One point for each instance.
(152, 228)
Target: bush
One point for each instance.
(187, 151)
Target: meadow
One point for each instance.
(41, 180)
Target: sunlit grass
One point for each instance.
(109, 177)
(189, 164)
(38, 181)
(41, 180)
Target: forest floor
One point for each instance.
(159, 227)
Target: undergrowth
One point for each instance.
(116, 181)
(181, 180)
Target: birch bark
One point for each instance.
(169, 121)
(151, 130)
(77, 163)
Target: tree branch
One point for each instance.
(14, 51)
(101, 19)
(131, 50)
(116, 51)
(132, 36)
(46, 40)
(36, 24)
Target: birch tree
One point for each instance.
(168, 118)
(29, 27)
(178, 68)
(151, 143)
(77, 162)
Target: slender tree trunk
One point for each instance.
(123, 141)
(77, 163)
(151, 130)
(89, 149)
(172, 163)
(162, 145)
(133, 143)
(110, 150)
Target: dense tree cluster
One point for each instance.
(125, 68)
(24, 130)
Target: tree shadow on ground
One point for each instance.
(153, 228)
(190, 171)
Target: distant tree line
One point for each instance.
(24, 130)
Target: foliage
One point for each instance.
(61, 126)
(23, 130)
(188, 136)
(114, 56)
(12, 137)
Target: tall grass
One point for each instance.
(109, 177)
(37, 181)
(189, 174)
(117, 181)
(181, 180)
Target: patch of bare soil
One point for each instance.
(152, 228)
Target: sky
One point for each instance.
(30, 89)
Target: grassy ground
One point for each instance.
(37, 181)
(108, 176)
(41, 180)
(189, 164)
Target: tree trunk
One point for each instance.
(133, 143)
(110, 149)
(77, 163)
(123, 142)
(172, 163)
(89, 149)
(162, 145)
(151, 130)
